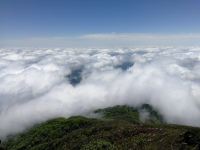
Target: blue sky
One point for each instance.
(44, 20)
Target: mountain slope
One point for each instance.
(119, 128)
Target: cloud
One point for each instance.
(134, 36)
(102, 40)
(34, 86)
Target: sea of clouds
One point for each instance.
(35, 83)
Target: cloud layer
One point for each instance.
(35, 86)
(102, 40)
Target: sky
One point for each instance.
(69, 22)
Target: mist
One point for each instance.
(40, 84)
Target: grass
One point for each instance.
(120, 129)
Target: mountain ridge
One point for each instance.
(118, 128)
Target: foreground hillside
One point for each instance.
(119, 127)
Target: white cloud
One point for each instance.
(102, 40)
(131, 37)
(34, 87)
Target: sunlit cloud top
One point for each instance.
(40, 84)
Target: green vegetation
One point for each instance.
(131, 114)
(119, 129)
(154, 116)
(127, 113)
